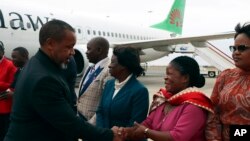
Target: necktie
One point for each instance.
(92, 69)
(89, 78)
(89, 74)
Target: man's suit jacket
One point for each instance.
(70, 75)
(42, 110)
(129, 104)
(89, 100)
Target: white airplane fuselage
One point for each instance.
(20, 27)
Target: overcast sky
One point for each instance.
(201, 16)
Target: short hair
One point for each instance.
(245, 28)
(129, 58)
(188, 66)
(1, 46)
(54, 29)
(23, 51)
(100, 42)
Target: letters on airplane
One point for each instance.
(17, 21)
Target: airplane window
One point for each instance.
(108, 33)
(115, 34)
(88, 31)
(120, 35)
(112, 34)
(130, 36)
(123, 35)
(103, 33)
(127, 36)
(93, 32)
(99, 33)
(79, 31)
(137, 37)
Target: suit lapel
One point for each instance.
(125, 89)
(90, 80)
(103, 66)
(111, 93)
(82, 81)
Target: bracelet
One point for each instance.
(146, 132)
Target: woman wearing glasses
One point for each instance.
(231, 93)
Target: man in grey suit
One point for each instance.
(41, 109)
(92, 83)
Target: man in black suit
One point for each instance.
(41, 109)
(70, 75)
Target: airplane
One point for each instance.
(19, 26)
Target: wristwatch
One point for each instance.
(146, 132)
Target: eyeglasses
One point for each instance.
(240, 48)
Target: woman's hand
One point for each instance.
(137, 133)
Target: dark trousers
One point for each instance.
(4, 125)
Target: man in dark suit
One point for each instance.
(41, 109)
(70, 75)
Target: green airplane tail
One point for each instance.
(174, 21)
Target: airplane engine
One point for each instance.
(81, 59)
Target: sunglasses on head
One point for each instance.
(240, 48)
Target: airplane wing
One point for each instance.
(158, 43)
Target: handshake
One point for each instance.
(137, 132)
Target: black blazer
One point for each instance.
(41, 109)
